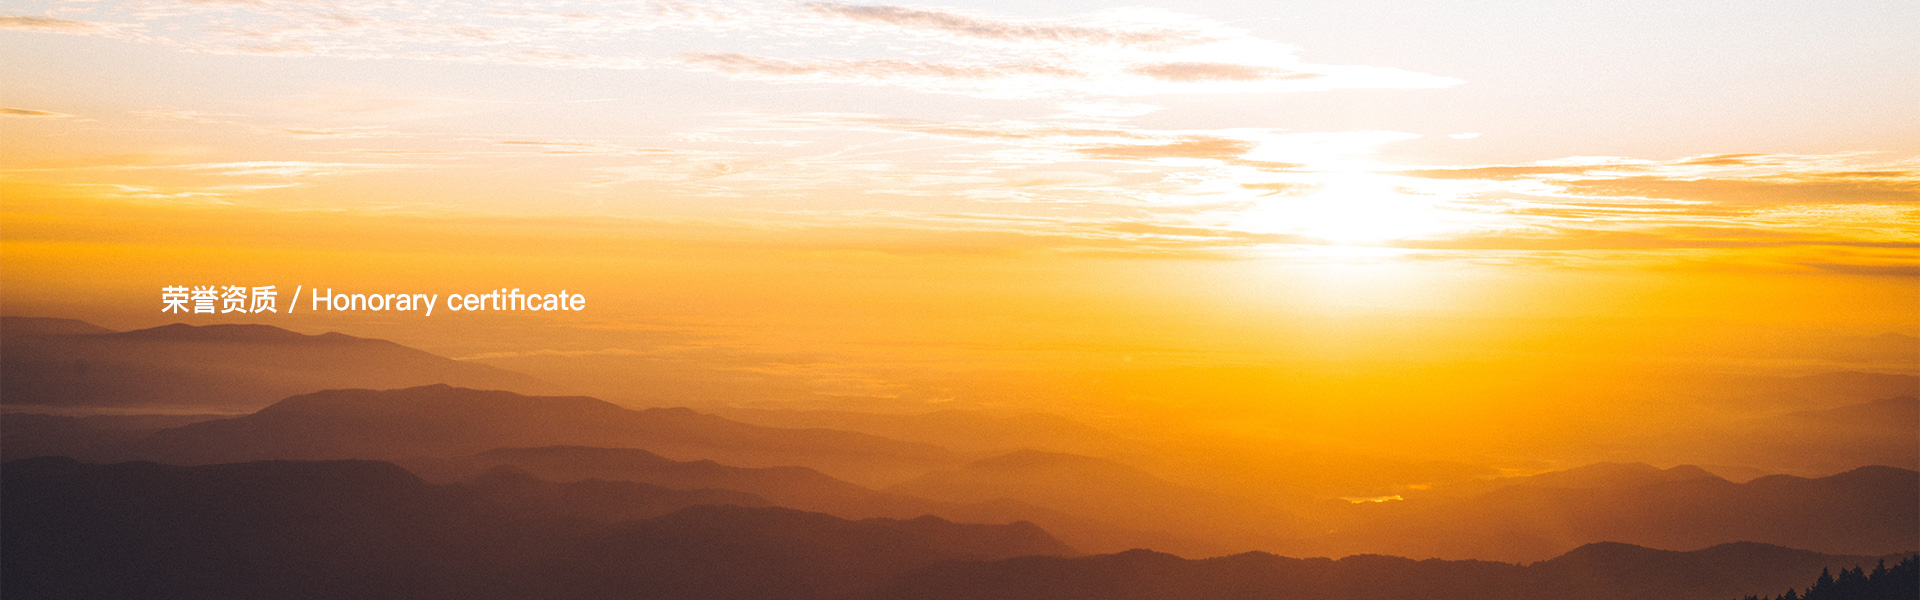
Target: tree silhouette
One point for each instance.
(1900, 582)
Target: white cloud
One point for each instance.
(1135, 52)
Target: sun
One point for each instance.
(1354, 209)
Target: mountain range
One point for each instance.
(445, 421)
(507, 493)
(363, 529)
(1868, 510)
(796, 487)
(1600, 571)
(963, 430)
(1097, 504)
(212, 368)
(1108, 491)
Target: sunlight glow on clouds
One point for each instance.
(1051, 149)
(1133, 52)
(1129, 52)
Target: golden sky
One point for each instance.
(860, 199)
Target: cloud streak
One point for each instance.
(1113, 54)
(1010, 31)
(926, 73)
(1109, 54)
(29, 113)
(1202, 72)
(1088, 179)
(37, 23)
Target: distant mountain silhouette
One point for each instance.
(1616, 475)
(1896, 413)
(1108, 491)
(215, 366)
(1604, 571)
(964, 430)
(21, 326)
(1825, 390)
(445, 421)
(1827, 433)
(1870, 510)
(732, 552)
(792, 487)
(265, 530)
(361, 529)
(364, 529)
(1604, 475)
(596, 500)
(1868, 385)
(1060, 477)
(91, 437)
(1884, 432)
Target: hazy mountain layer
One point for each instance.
(1869, 510)
(1108, 491)
(964, 430)
(801, 488)
(1607, 571)
(360, 529)
(55, 362)
(443, 421)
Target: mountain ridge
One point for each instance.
(223, 367)
(445, 421)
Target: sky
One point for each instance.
(1113, 209)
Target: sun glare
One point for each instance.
(1355, 209)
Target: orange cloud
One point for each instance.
(1198, 72)
(30, 113)
(34, 23)
(1200, 147)
(1129, 52)
(1011, 31)
(869, 70)
(1806, 188)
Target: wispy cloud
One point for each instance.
(218, 182)
(36, 23)
(1130, 52)
(1197, 147)
(923, 73)
(1780, 210)
(1112, 54)
(354, 132)
(1796, 188)
(1090, 178)
(1150, 35)
(1708, 184)
(1201, 72)
(284, 168)
(276, 168)
(29, 113)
